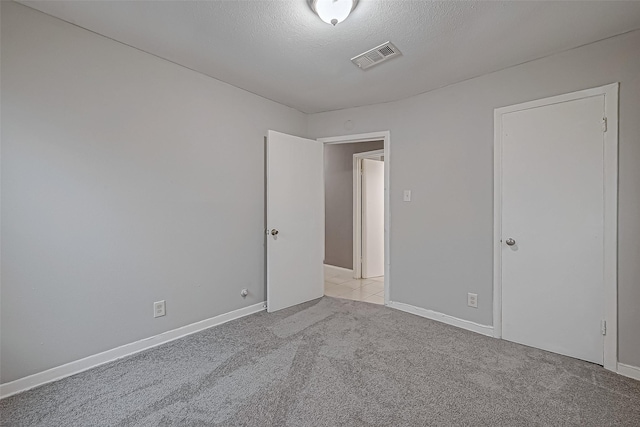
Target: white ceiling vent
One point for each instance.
(376, 55)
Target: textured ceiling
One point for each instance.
(282, 51)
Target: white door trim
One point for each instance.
(610, 93)
(357, 208)
(375, 154)
(386, 137)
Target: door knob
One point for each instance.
(510, 241)
(274, 232)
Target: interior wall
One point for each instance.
(126, 179)
(338, 199)
(442, 143)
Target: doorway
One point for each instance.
(354, 225)
(368, 214)
(358, 168)
(295, 216)
(555, 224)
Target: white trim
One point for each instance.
(77, 366)
(497, 224)
(357, 217)
(359, 137)
(373, 154)
(336, 270)
(611, 226)
(610, 93)
(629, 371)
(444, 318)
(357, 207)
(385, 136)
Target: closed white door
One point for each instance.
(553, 228)
(295, 220)
(372, 218)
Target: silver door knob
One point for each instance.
(274, 232)
(510, 241)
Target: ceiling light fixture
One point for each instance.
(333, 11)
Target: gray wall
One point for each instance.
(126, 179)
(442, 145)
(338, 199)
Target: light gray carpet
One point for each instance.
(334, 362)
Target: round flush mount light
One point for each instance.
(333, 11)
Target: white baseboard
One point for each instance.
(77, 366)
(332, 269)
(629, 371)
(444, 318)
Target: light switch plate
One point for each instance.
(407, 195)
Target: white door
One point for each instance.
(372, 218)
(552, 210)
(295, 220)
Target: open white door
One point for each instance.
(372, 218)
(295, 220)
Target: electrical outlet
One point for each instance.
(159, 308)
(472, 300)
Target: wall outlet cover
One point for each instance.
(159, 308)
(472, 300)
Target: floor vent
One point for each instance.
(376, 55)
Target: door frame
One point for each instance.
(610, 120)
(385, 136)
(357, 207)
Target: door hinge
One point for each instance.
(603, 327)
(604, 124)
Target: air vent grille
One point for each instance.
(386, 51)
(376, 55)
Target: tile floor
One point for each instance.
(343, 285)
